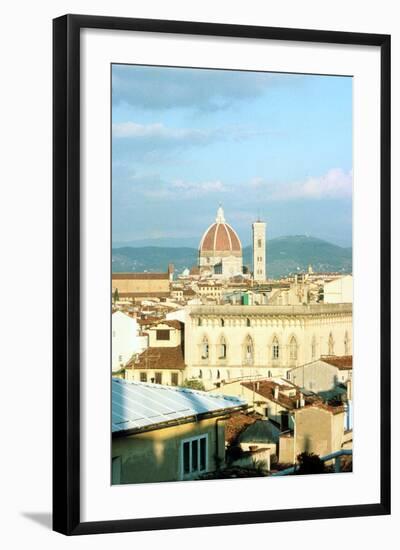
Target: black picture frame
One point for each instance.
(66, 272)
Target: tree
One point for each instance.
(193, 385)
(309, 463)
(116, 295)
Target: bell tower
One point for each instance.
(259, 251)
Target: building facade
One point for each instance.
(142, 285)
(167, 434)
(126, 339)
(238, 342)
(220, 250)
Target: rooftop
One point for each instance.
(310, 309)
(138, 407)
(159, 358)
(344, 362)
(288, 395)
(140, 276)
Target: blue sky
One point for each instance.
(268, 145)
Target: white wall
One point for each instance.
(26, 106)
(125, 339)
(339, 291)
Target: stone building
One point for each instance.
(237, 342)
(140, 286)
(259, 259)
(162, 362)
(220, 250)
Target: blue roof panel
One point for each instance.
(139, 405)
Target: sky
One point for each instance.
(273, 146)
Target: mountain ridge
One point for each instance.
(285, 255)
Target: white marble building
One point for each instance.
(237, 342)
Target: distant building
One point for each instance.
(142, 285)
(161, 433)
(339, 291)
(259, 251)
(126, 339)
(220, 250)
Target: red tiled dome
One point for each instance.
(220, 237)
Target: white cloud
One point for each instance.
(156, 188)
(335, 184)
(157, 132)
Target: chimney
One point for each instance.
(257, 386)
(302, 401)
(276, 392)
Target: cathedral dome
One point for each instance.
(220, 239)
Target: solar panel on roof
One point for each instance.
(138, 405)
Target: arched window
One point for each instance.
(247, 322)
(200, 373)
(222, 323)
(204, 348)
(331, 345)
(210, 374)
(275, 348)
(199, 321)
(248, 351)
(293, 349)
(346, 344)
(218, 375)
(313, 347)
(222, 348)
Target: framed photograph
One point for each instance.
(221, 251)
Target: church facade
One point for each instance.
(224, 343)
(220, 250)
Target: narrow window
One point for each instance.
(331, 345)
(204, 349)
(203, 453)
(195, 455)
(346, 343)
(247, 322)
(158, 377)
(186, 457)
(143, 376)
(222, 323)
(174, 378)
(275, 348)
(313, 347)
(293, 349)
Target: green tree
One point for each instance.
(193, 385)
(309, 463)
(116, 295)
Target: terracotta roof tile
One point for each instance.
(344, 362)
(235, 425)
(159, 358)
(265, 388)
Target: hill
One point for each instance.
(284, 255)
